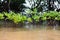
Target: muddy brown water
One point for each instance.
(23, 34)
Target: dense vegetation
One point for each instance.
(31, 11)
(19, 18)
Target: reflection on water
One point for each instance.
(42, 27)
(31, 27)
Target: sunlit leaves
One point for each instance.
(29, 19)
(1, 16)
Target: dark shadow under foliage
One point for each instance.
(14, 5)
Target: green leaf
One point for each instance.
(1, 16)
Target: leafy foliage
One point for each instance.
(16, 18)
(9, 15)
(35, 16)
(29, 19)
(50, 14)
(58, 16)
(1, 16)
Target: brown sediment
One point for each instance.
(5, 34)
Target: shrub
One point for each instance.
(15, 17)
(9, 15)
(29, 19)
(1, 16)
(50, 15)
(58, 16)
(36, 18)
